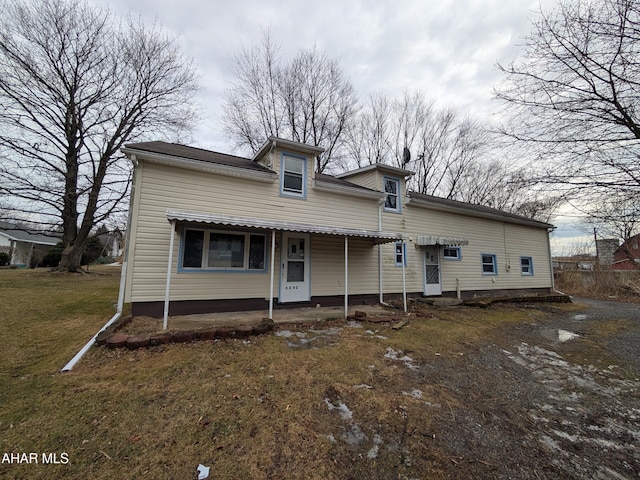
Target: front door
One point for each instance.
(432, 280)
(294, 272)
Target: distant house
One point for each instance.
(627, 256)
(24, 247)
(575, 262)
(112, 243)
(216, 232)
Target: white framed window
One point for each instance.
(451, 253)
(400, 250)
(293, 176)
(489, 264)
(526, 265)
(393, 202)
(217, 250)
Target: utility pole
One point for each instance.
(595, 240)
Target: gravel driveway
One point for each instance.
(554, 398)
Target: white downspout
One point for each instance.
(380, 288)
(273, 266)
(165, 318)
(88, 345)
(123, 280)
(404, 281)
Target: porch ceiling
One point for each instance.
(424, 240)
(378, 237)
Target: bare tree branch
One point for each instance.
(573, 97)
(75, 85)
(307, 100)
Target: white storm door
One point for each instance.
(294, 271)
(432, 278)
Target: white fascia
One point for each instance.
(200, 166)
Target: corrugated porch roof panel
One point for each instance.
(424, 240)
(225, 220)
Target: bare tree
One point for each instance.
(616, 216)
(307, 100)
(453, 157)
(75, 85)
(368, 140)
(573, 97)
(253, 105)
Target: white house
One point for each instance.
(215, 232)
(22, 245)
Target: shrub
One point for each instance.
(52, 258)
(4, 259)
(104, 260)
(92, 252)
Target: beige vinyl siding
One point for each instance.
(159, 188)
(327, 266)
(505, 240)
(181, 189)
(371, 179)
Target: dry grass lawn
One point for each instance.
(257, 409)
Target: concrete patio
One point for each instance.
(288, 315)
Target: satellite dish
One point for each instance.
(406, 156)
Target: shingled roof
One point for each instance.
(192, 153)
(475, 210)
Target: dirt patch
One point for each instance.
(540, 405)
(546, 398)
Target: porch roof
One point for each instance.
(424, 240)
(378, 237)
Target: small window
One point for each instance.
(451, 253)
(489, 264)
(392, 188)
(216, 250)
(526, 265)
(293, 176)
(400, 253)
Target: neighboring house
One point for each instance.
(216, 232)
(627, 256)
(112, 243)
(24, 247)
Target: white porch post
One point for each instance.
(273, 266)
(12, 251)
(30, 255)
(169, 267)
(404, 281)
(346, 276)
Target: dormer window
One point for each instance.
(392, 188)
(293, 174)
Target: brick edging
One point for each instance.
(111, 338)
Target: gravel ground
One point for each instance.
(554, 398)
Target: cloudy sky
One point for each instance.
(446, 49)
